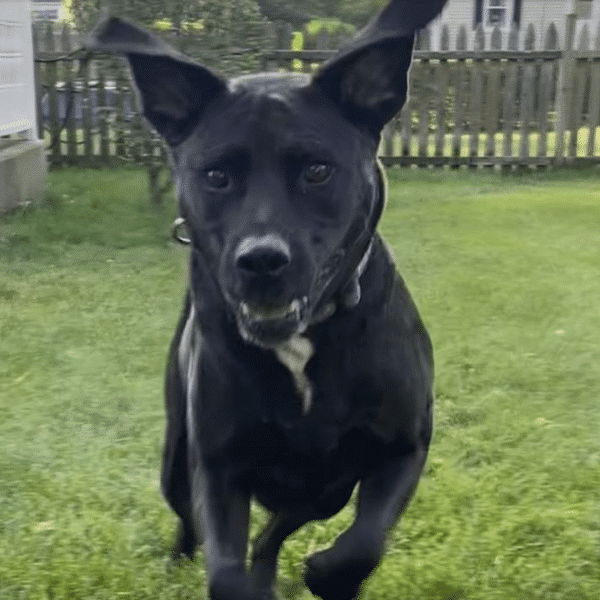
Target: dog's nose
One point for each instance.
(265, 255)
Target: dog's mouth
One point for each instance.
(268, 327)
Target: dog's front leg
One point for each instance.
(222, 516)
(337, 573)
(270, 540)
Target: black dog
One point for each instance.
(300, 367)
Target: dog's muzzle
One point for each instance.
(269, 320)
(264, 316)
(270, 327)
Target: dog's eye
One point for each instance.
(216, 178)
(317, 172)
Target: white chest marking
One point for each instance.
(190, 345)
(294, 354)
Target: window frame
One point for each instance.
(497, 5)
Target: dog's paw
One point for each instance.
(330, 585)
(338, 573)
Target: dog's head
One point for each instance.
(277, 174)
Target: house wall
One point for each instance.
(455, 13)
(22, 155)
(544, 12)
(459, 12)
(541, 13)
(46, 10)
(594, 23)
(17, 104)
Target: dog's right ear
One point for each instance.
(174, 90)
(367, 79)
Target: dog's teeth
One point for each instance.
(294, 308)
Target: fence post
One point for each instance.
(564, 93)
(582, 75)
(101, 116)
(37, 76)
(527, 100)
(323, 39)
(594, 109)
(493, 98)
(425, 83)
(510, 99)
(70, 96)
(51, 72)
(86, 117)
(545, 93)
(460, 74)
(477, 93)
(441, 85)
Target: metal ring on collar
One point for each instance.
(179, 231)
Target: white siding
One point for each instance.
(541, 13)
(455, 14)
(459, 11)
(594, 23)
(17, 92)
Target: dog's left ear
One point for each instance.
(368, 79)
(174, 90)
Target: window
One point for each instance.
(495, 13)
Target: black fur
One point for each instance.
(300, 367)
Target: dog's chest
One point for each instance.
(294, 354)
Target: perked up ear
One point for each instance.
(174, 90)
(368, 79)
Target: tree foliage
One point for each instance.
(298, 12)
(228, 36)
(178, 12)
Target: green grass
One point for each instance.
(505, 271)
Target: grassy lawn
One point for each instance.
(506, 272)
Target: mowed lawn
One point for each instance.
(506, 273)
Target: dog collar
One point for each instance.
(346, 291)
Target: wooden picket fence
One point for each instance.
(87, 110)
(499, 99)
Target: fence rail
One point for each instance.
(484, 100)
